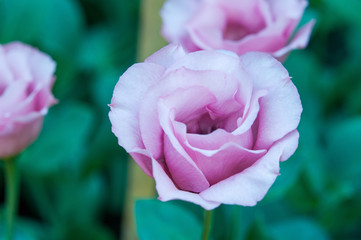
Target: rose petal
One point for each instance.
(273, 74)
(143, 158)
(175, 14)
(291, 146)
(167, 55)
(288, 9)
(226, 159)
(127, 97)
(182, 168)
(17, 136)
(28, 63)
(299, 41)
(208, 27)
(5, 74)
(225, 61)
(278, 117)
(168, 191)
(152, 134)
(251, 185)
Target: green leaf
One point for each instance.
(232, 222)
(297, 229)
(55, 27)
(349, 12)
(80, 196)
(165, 220)
(62, 143)
(343, 142)
(88, 232)
(25, 229)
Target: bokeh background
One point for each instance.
(77, 183)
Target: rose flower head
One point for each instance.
(209, 126)
(26, 79)
(237, 25)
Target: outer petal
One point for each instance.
(288, 9)
(280, 113)
(276, 117)
(265, 71)
(127, 97)
(6, 75)
(168, 191)
(222, 60)
(251, 185)
(175, 14)
(13, 140)
(299, 41)
(167, 55)
(30, 64)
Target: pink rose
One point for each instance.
(209, 126)
(26, 79)
(237, 25)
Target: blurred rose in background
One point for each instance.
(26, 80)
(239, 26)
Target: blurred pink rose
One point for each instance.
(26, 79)
(209, 126)
(237, 25)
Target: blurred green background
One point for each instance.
(74, 177)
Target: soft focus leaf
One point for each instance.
(165, 220)
(56, 29)
(25, 229)
(61, 145)
(344, 150)
(297, 229)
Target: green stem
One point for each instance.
(11, 179)
(207, 224)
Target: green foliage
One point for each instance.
(73, 177)
(163, 221)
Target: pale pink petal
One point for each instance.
(225, 61)
(125, 105)
(250, 113)
(182, 168)
(6, 75)
(299, 41)
(28, 63)
(175, 14)
(273, 74)
(218, 138)
(218, 22)
(250, 186)
(17, 136)
(230, 159)
(267, 40)
(183, 102)
(248, 13)
(224, 159)
(143, 158)
(15, 93)
(280, 113)
(168, 191)
(167, 55)
(151, 132)
(287, 9)
(291, 146)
